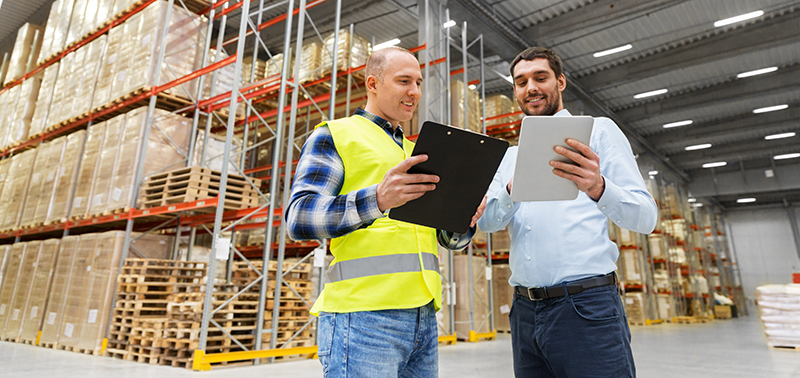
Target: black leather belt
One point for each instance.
(575, 287)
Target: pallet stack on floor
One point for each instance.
(158, 315)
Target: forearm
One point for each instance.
(314, 216)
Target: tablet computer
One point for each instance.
(534, 179)
(465, 162)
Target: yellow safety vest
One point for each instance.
(390, 264)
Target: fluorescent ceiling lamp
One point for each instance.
(651, 93)
(692, 200)
(679, 123)
(739, 18)
(449, 24)
(652, 173)
(698, 147)
(697, 204)
(779, 136)
(770, 108)
(386, 44)
(715, 164)
(612, 51)
(787, 156)
(757, 72)
(509, 79)
(472, 86)
(746, 200)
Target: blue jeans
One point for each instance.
(387, 343)
(579, 335)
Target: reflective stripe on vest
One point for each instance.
(376, 265)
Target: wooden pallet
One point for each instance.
(197, 183)
(691, 320)
(143, 354)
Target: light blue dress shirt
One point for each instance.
(557, 241)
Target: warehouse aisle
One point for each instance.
(726, 348)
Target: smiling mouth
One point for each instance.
(535, 100)
(409, 104)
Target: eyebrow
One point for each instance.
(408, 77)
(534, 73)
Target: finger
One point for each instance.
(564, 174)
(410, 162)
(420, 188)
(571, 155)
(582, 148)
(567, 167)
(415, 178)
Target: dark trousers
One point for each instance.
(579, 335)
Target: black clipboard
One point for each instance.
(465, 162)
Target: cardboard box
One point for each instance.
(463, 292)
(23, 52)
(722, 312)
(57, 298)
(39, 291)
(76, 303)
(14, 266)
(18, 124)
(631, 271)
(88, 169)
(40, 188)
(65, 179)
(44, 100)
(16, 311)
(15, 188)
(634, 308)
(503, 294)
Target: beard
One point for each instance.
(550, 106)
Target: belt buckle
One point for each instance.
(530, 294)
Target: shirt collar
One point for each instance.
(563, 113)
(396, 134)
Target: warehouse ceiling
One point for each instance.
(671, 47)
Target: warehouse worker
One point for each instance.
(383, 288)
(567, 319)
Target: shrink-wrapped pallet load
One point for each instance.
(102, 281)
(22, 292)
(121, 6)
(9, 100)
(629, 261)
(497, 105)
(4, 251)
(311, 64)
(104, 176)
(15, 189)
(14, 263)
(42, 207)
(108, 69)
(77, 302)
(44, 100)
(70, 80)
(275, 65)
(780, 314)
(457, 104)
(86, 78)
(24, 51)
(463, 292)
(49, 31)
(98, 12)
(248, 72)
(214, 149)
(5, 166)
(23, 111)
(60, 93)
(76, 22)
(65, 180)
(45, 169)
(348, 55)
(88, 168)
(40, 290)
(57, 298)
(221, 79)
(503, 294)
(634, 308)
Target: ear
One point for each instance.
(372, 83)
(562, 83)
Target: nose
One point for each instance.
(531, 87)
(415, 92)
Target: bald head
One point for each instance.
(378, 61)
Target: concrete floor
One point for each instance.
(724, 348)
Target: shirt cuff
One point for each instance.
(610, 199)
(367, 204)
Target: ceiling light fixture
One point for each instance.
(770, 108)
(449, 24)
(652, 173)
(739, 18)
(757, 72)
(787, 156)
(698, 147)
(651, 93)
(386, 44)
(780, 136)
(679, 123)
(612, 51)
(472, 86)
(697, 204)
(715, 164)
(692, 200)
(746, 200)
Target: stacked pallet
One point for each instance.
(24, 52)
(197, 183)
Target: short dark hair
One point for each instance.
(537, 52)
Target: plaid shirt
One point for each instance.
(317, 211)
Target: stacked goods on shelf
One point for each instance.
(105, 165)
(18, 117)
(221, 79)
(443, 316)
(63, 274)
(14, 263)
(85, 78)
(257, 73)
(275, 65)
(88, 167)
(214, 151)
(76, 19)
(108, 69)
(24, 51)
(501, 242)
(3, 258)
(503, 294)
(458, 104)
(40, 188)
(497, 105)
(631, 272)
(666, 306)
(463, 291)
(19, 302)
(780, 314)
(311, 64)
(78, 293)
(197, 183)
(44, 100)
(50, 29)
(98, 12)
(60, 205)
(64, 93)
(40, 290)
(634, 308)
(15, 189)
(351, 51)
(5, 165)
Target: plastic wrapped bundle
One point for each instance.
(44, 170)
(62, 277)
(457, 104)
(310, 67)
(121, 6)
(64, 181)
(356, 54)
(86, 77)
(88, 167)
(104, 175)
(247, 69)
(8, 102)
(108, 69)
(59, 42)
(5, 165)
(97, 13)
(224, 80)
(49, 31)
(67, 87)
(44, 99)
(15, 188)
(23, 52)
(40, 290)
(214, 149)
(76, 303)
(138, 55)
(780, 314)
(22, 291)
(498, 105)
(23, 111)
(14, 264)
(275, 65)
(74, 33)
(4, 250)
(41, 208)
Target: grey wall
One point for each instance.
(764, 246)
